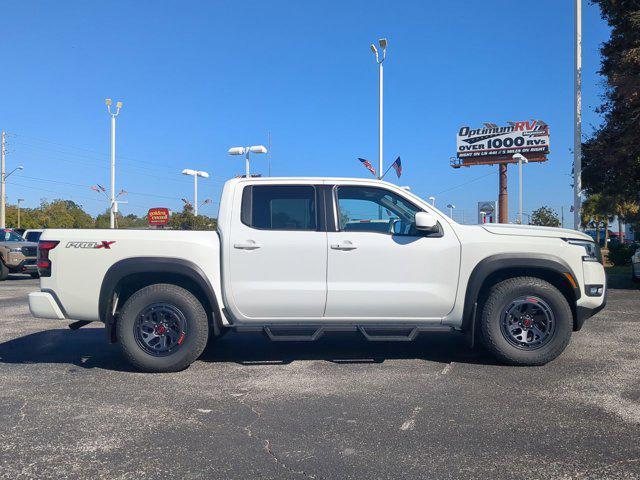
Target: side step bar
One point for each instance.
(377, 334)
(372, 333)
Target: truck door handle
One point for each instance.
(346, 245)
(249, 245)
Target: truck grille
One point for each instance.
(29, 251)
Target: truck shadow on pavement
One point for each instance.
(88, 348)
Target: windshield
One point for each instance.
(11, 236)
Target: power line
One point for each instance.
(144, 194)
(466, 183)
(96, 155)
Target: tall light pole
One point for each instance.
(19, 201)
(3, 194)
(520, 159)
(432, 199)
(380, 60)
(451, 206)
(577, 133)
(246, 151)
(3, 184)
(196, 174)
(114, 206)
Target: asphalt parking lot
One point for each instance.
(338, 408)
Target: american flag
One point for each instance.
(367, 165)
(95, 188)
(397, 166)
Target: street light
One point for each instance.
(432, 199)
(451, 206)
(19, 201)
(114, 205)
(195, 174)
(246, 151)
(3, 189)
(520, 159)
(19, 167)
(379, 60)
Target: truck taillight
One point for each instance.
(44, 263)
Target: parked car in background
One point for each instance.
(635, 265)
(299, 257)
(32, 235)
(17, 255)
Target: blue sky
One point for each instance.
(197, 77)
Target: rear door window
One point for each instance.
(279, 207)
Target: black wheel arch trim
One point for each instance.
(150, 265)
(506, 261)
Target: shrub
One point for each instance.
(620, 253)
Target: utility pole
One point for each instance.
(19, 201)
(3, 197)
(114, 204)
(577, 133)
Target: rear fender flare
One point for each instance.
(150, 265)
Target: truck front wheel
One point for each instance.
(162, 328)
(4, 271)
(526, 321)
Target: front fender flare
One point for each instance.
(506, 261)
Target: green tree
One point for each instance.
(611, 157)
(186, 220)
(546, 217)
(55, 214)
(103, 220)
(598, 210)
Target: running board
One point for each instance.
(395, 334)
(372, 333)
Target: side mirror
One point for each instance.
(426, 222)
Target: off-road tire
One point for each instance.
(4, 271)
(197, 328)
(500, 297)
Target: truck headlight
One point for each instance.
(591, 249)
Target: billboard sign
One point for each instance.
(158, 216)
(493, 140)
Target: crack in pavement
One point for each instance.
(22, 414)
(266, 447)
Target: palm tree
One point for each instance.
(598, 209)
(625, 210)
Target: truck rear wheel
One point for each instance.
(162, 328)
(526, 321)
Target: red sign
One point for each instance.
(158, 216)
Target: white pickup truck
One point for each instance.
(299, 257)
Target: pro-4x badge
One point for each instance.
(102, 244)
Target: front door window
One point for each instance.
(376, 210)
